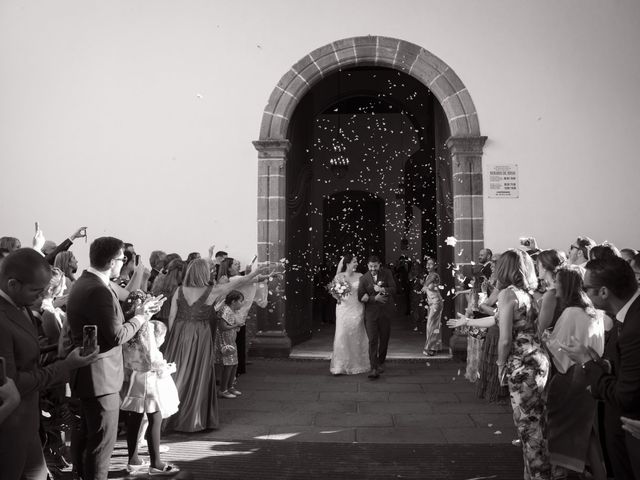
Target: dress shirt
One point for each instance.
(623, 311)
(101, 275)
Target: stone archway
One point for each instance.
(465, 145)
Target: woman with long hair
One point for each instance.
(549, 262)
(166, 284)
(571, 410)
(522, 362)
(431, 288)
(350, 343)
(190, 345)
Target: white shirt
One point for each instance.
(101, 275)
(623, 311)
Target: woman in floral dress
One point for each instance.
(522, 362)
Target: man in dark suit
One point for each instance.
(93, 302)
(24, 274)
(375, 291)
(611, 285)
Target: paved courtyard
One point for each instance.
(420, 419)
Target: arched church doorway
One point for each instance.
(385, 146)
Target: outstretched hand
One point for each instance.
(457, 322)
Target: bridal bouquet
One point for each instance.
(339, 288)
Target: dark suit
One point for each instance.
(98, 385)
(377, 316)
(620, 391)
(20, 449)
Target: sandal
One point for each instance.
(168, 469)
(131, 468)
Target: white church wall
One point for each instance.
(136, 118)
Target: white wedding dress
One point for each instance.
(350, 344)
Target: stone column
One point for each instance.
(271, 338)
(468, 226)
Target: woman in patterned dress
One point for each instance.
(522, 362)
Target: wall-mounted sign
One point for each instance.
(503, 181)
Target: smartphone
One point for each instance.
(3, 371)
(89, 339)
(137, 259)
(255, 257)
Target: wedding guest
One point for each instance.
(229, 270)
(571, 410)
(66, 261)
(229, 322)
(10, 243)
(52, 317)
(579, 253)
(522, 362)
(628, 253)
(603, 250)
(431, 288)
(167, 283)
(149, 390)
(549, 262)
(192, 256)
(217, 260)
(484, 262)
(615, 378)
(24, 275)
(157, 262)
(488, 385)
(81, 232)
(92, 302)
(190, 346)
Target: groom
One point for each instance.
(375, 290)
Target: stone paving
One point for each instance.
(412, 402)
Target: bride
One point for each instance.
(350, 344)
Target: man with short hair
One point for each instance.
(375, 290)
(579, 253)
(218, 258)
(484, 259)
(24, 274)
(93, 302)
(611, 285)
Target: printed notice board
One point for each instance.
(503, 181)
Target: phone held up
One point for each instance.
(89, 339)
(3, 371)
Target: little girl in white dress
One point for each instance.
(148, 389)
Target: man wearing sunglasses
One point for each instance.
(611, 285)
(579, 253)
